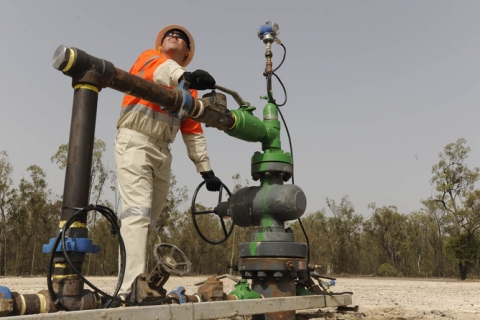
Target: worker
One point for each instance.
(142, 147)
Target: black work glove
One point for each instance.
(199, 79)
(213, 184)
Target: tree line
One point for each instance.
(442, 239)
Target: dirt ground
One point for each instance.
(377, 298)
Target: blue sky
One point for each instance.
(376, 89)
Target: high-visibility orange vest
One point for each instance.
(144, 67)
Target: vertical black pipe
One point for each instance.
(80, 152)
(78, 168)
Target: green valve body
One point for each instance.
(272, 203)
(242, 291)
(272, 259)
(249, 128)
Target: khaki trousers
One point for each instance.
(143, 174)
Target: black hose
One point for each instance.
(269, 81)
(111, 217)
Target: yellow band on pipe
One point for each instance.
(43, 303)
(64, 276)
(61, 265)
(75, 224)
(86, 86)
(24, 305)
(70, 61)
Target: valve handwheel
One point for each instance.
(195, 213)
(172, 259)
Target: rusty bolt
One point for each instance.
(290, 265)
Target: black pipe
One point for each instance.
(80, 153)
(87, 69)
(88, 74)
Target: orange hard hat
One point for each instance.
(161, 35)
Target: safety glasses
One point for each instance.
(178, 35)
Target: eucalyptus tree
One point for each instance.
(455, 182)
(342, 232)
(39, 210)
(388, 228)
(437, 223)
(6, 186)
(419, 260)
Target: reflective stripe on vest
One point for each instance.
(143, 109)
(140, 74)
